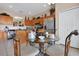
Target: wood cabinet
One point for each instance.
(6, 20)
(40, 21)
(3, 35)
(29, 22)
(22, 35)
(32, 22)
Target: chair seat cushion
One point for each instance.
(55, 50)
(29, 51)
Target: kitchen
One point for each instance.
(17, 28)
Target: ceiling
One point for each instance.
(23, 9)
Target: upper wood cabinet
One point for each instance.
(6, 20)
(40, 21)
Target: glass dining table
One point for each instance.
(43, 42)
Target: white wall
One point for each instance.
(59, 7)
(69, 21)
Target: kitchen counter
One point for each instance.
(21, 32)
(11, 27)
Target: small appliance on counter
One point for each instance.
(10, 33)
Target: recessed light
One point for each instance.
(10, 6)
(29, 13)
(44, 5)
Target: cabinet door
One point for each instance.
(6, 20)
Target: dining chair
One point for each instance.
(59, 50)
(28, 50)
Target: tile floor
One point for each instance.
(6, 49)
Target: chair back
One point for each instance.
(67, 46)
